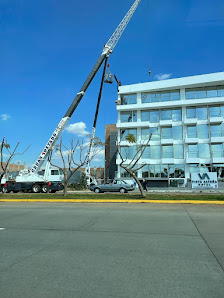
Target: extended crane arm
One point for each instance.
(107, 50)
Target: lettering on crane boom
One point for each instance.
(49, 144)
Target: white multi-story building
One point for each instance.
(186, 119)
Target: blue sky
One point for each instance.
(48, 48)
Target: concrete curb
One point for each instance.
(113, 201)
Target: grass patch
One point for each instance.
(112, 196)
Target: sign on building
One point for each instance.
(204, 180)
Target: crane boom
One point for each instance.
(107, 50)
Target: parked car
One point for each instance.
(114, 185)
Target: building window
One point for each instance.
(193, 151)
(215, 111)
(155, 131)
(178, 151)
(129, 99)
(167, 133)
(204, 151)
(155, 152)
(199, 113)
(177, 132)
(179, 171)
(207, 92)
(174, 115)
(167, 151)
(128, 152)
(146, 152)
(217, 150)
(130, 116)
(164, 171)
(202, 131)
(151, 171)
(217, 130)
(144, 115)
(219, 169)
(191, 132)
(160, 96)
(126, 132)
(124, 174)
(154, 116)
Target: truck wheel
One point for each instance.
(4, 189)
(122, 190)
(97, 190)
(36, 188)
(44, 189)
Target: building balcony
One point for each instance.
(191, 140)
(166, 141)
(217, 120)
(190, 121)
(217, 139)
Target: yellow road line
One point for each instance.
(113, 201)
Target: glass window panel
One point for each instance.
(222, 111)
(202, 131)
(164, 171)
(219, 169)
(154, 116)
(175, 95)
(146, 153)
(190, 94)
(221, 91)
(176, 115)
(191, 132)
(202, 113)
(194, 168)
(171, 171)
(191, 113)
(212, 92)
(155, 152)
(145, 171)
(128, 116)
(151, 171)
(144, 115)
(167, 133)
(128, 152)
(217, 150)
(216, 130)
(155, 131)
(166, 114)
(157, 171)
(129, 99)
(204, 151)
(200, 93)
(193, 151)
(145, 133)
(165, 96)
(177, 132)
(167, 151)
(178, 151)
(126, 132)
(145, 97)
(215, 111)
(179, 171)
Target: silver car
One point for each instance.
(113, 186)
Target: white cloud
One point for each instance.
(78, 128)
(100, 156)
(5, 117)
(163, 76)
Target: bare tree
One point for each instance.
(69, 164)
(10, 154)
(132, 166)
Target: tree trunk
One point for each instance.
(143, 195)
(65, 184)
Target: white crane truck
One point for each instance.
(30, 180)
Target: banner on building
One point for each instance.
(204, 180)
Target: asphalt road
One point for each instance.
(111, 250)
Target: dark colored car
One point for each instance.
(113, 186)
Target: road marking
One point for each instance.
(113, 201)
